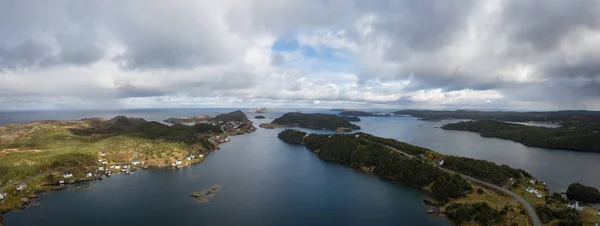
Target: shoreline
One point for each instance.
(23, 200)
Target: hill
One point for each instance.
(583, 193)
(315, 121)
(237, 116)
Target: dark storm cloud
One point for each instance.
(544, 24)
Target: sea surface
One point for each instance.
(265, 181)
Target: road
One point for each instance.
(535, 220)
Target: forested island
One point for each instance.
(577, 139)
(48, 155)
(583, 193)
(315, 121)
(462, 201)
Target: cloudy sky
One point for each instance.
(492, 54)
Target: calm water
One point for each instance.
(267, 182)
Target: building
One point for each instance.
(61, 182)
(178, 162)
(439, 162)
(574, 204)
(88, 175)
(21, 187)
(117, 166)
(188, 158)
(530, 190)
(135, 162)
(1, 196)
(67, 175)
(100, 168)
(539, 195)
(102, 154)
(201, 155)
(532, 181)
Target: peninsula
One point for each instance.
(48, 155)
(315, 121)
(576, 139)
(469, 191)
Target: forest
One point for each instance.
(577, 139)
(315, 121)
(482, 169)
(480, 212)
(567, 119)
(583, 193)
(362, 154)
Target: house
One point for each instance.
(1, 196)
(117, 166)
(173, 164)
(575, 205)
(100, 168)
(188, 158)
(102, 154)
(135, 162)
(61, 182)
(104, 162)
(88, 175)
(201, 155)
(20, 187)
(112, 167)
(539, 195)
(178, 162)
(67, 175)
(532, 181)
(125, 166)
(530, 190)
(439, 162)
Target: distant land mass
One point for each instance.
(576, 139)
(315, 121)
(193, 119)
(356, 113)
(352, 118)
(261, 110)
(259, 117)
(567, 119)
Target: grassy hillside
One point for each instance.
(315, 121)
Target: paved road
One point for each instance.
(530, 211)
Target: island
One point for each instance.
(356, 113)
(580, 192)
(49, 155)
(316, 121)
(261, 110)
(352, 118)
(468, 191)
(184, 120)
(576, 139)
(260, 117)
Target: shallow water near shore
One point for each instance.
(267, 182)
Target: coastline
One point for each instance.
(103, 169)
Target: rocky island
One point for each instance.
(49, 155)
(315, 121)
(468, 191)
(259, 117)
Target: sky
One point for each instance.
(424, 54)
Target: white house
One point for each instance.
(201, 155)
(178, 162)
(173, 164)
(102, 154)
(20, 187)
(188, 158)
(112, 167)
(439, 162)
(530, 190)
(100, 168)
(88, 175)
(104, 162)
(532, 181)
(539, 195)
(67, 175)
(575, 205)
(117, 166)
(1, 196)
(135, 162)
(61, 182)
(125, 166)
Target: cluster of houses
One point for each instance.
(534, 191)
(574, 204)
